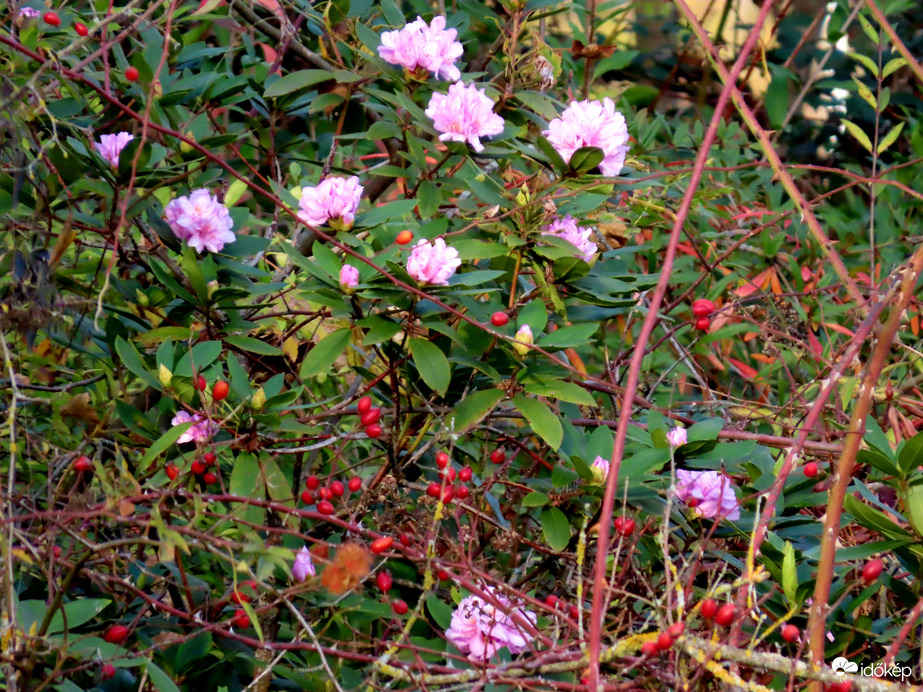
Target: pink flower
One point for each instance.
(304, 566)
(110, 146)
(591, 124)
(333, 201)
(349, 277)
(580, 237)
(201, 220)
(677, 437)
(201, 430)
(432, 48)
(600, 469)
(465, 114)
(480, 629)
(524, 339)
(433, 263)
(711, 494)
(26, 13)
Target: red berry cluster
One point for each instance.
(240, 595)
(324, 496)
(369, 416)
(555, 603)
(624, 525)
(703, 309)
(664, 641)
(447, 490)
(199, 467)
(842, 686)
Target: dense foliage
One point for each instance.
(511, 345)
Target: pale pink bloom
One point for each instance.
(304, 566)
(110, 146)
(201, 220)
(524, 339)
(417, 45)
(433, 263)
(333, 201)
(600, 469)
(581, 237)
(711, 494)
(26, 13)
(349, 277)
(480, 629)
(677, 437)
(591, 124)
(465, 114)
(201, 430)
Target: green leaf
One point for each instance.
(159, 677)
(874, 519)
(248, 343)
(857, 132)
(440, 611)
(911, 454)
(431, 364)
(543, 420)
(869, 29)
(890, 138)
(473, 408)
(306, 78)
(869, 64)
(568, 337)
(789, 573)
(586, 159)
(131, 360)
(78, 613)
(535, 499)
(554, 157)
(562, 390)
(777, 96)
(892, 66)
(324, 354)
(555, 528)
(163, 443)
(707, 429)
(200, 357)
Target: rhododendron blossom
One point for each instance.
(201, 220)
(591, 124)
(465, 114)
(110, 146)
(480, 629)
(677, 437)
(433, 263)
(600, 469)
(304, 566)
(709, 493)
(420, 46)
(201, 430)
(26, 13)
(349, 277)
(580, 237)
(334, 201)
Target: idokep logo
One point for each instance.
(841, 666)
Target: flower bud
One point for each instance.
(258, 400)
(166, 377)
(523, 340)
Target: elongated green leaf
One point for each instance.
(707, 429)
(567, 337)
(473, 408)
(432, 365)
(248, 343)
(542, 419)
(892, 66)
(163, 443)
(159, 677)
(564, 391)
(857, 132)
(890, 138)
(441, 612)
(911, 454)
(555, 528)
(131, 360)
(535, 499)
(586, 159)
(78, 613)
(789, 573)
(306, 78)
(323, 355)
(200, 357)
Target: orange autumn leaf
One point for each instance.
(349, 568)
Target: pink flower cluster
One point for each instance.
(304, 566)
(591, 124)
(480, 629)
(709, 493)
(26, 13)
(201, 220)
(432, 48)
(333, 201)
(581, 237)
(110, 146)
(201, 430)
(433, 263)
(465, 114)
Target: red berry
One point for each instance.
(450, 474)
(692, 502)
(337, 489)
(872, 570)
(107, 672)
(709, 608)
(702, 324)
(364, 404)
(552, 601)
(240, 619)
(200, 384)
(443, 575)
(325, 494)
(574, 612)
(116, 634)
(676, 630)
(462, 493)
(405, 539)
(442, 460)
(132, 74)
(810, 469)
(83, 463)
(81, 29)
(726, 614)
(371, 416)
(325, 507)
(498, 456)
(649, 648)
(198, 467)
(618, 524)
(703, 307)
(307, 497)
(209, 458)
(664, 641)
(628, 527)
(790, 633)
(404, 237)
(399, 606)
(220, 390)
(355, 484)
(56, 551)
(311, 483)
(465, 474)
(380, 545)
(499, 319)
(52, 18)
(210, 478)
(383, 579)
(448, 493)
(373, 431)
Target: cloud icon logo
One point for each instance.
(841, 666)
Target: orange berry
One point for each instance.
(404, 237)
(220, 390)
(380, 545)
